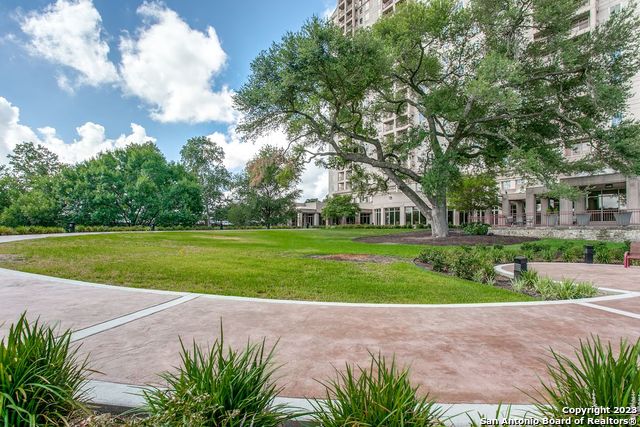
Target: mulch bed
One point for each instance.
(378, 259)
(455, 238)
(501, 281)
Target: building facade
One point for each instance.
(611, 197)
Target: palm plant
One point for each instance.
(597, 376)
(218, 387)
(42, 377)
(381, 395)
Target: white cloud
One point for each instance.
(171, 66)
(237, 153)
(92, 137)
(11, 131)
(69, 33)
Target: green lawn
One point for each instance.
(263, 263)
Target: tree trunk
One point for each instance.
(440, 219)
(208, 215)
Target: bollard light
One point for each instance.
(519, 266)
(588, 254)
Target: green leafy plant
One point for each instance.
(476, 229)
(572, 254)
(602, 253)
(549, 255)
(596, 376)
(437, 258)
(218, 387)
(42, 376)
(380, 395)
(549, 289)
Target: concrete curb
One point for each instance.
(118, 398)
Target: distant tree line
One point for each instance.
(137, 186)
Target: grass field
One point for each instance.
(263, 263)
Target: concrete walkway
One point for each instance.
(474, 353)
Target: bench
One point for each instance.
(634, 253)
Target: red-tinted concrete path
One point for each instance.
(478, 353)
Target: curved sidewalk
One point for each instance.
(474, 353)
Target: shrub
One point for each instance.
(35, 229)
(572, 254)
(477, 229)
(616, 255)
(549, 255)
(463, 264)
(596, 376)
(526, 281)
(436, 258)
(7, 231)
(218, 387)
(549, 289)
(381, 395)
(602, 255)
(485, 273)
(41, 376)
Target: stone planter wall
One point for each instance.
(612, 234)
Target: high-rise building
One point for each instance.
(610, 194)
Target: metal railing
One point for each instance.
(604, 217)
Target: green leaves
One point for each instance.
(131, 186)
(596, 375)
(340, 206)
(379, 395)
(41, 376)
(474, 193)
(218, 386)
(476, 85)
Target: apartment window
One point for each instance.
(615, 8)
(340, 176)
(413, 216)
(392, 216)
(341, 186)
(378, 214)
(365, 218)
(505, 185)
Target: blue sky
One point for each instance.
(81, 76)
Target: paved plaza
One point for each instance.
(464, 353)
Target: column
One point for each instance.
(316, 219)
(506, 211)
(520, 216)
(544, 205)
(530, 208)
(403, 218)
(299, 220)
(488, 217)
(633, 199)
(566, 212)
(456, 217)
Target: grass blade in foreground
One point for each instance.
(41, 376)
(381, 395)
(218, 387)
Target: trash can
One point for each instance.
(71, 227)
(588, 254)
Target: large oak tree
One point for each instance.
(494, 83)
